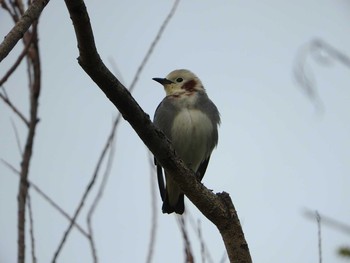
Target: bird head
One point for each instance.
(180, 81)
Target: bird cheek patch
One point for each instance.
(189, 85)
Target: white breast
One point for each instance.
(191, 134)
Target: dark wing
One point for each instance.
(160, 179)
(163, 119)
(202, 168)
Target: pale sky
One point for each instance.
(277, 155)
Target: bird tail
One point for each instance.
(178, 208)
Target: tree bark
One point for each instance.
(17, 32)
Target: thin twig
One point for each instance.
(305, 77)
(82, 201)
(47, 198)
(199, 231)
(319, 44)
(154, 219)
(188, 249)
(318, 219)
(111, 144)
(116, 70)
(196, 227)
(17, 137)
(17, 62)
(342, 227)
(153, 44)
(16, 33)
(7, 101)
(20, 6)
(11, 12)
(31, 228)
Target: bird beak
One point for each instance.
(163, 81)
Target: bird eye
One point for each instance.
(179, 79)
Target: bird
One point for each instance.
(190, 120)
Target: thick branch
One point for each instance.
(214, 207)
(33, 12)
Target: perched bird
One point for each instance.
(190, 120)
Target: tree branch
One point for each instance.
(47, 199)
(35, 87)
(17, 62)
(31, 228)
(110, 145)
(87, 191)
(154, 220)
(7, 101)
(33, 12)
(217, 208)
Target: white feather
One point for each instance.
(190, 133)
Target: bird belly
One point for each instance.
(190, 135)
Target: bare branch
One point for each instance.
(323, 53)
(31, 228)
(7, 101)
(31, 14)
(17, 138)
(344, 228)
(199, 231)
(27, 154)
(205, 253)
(11, 167)
(188, 249)
(17, 63)
(47, 198)
(320, 45)
(20, 6)
(12, 12)
(153, 45)
(83, 199)
(306, 79)
(217, 208)
(111, 145)
(154, 219)
(318, 218)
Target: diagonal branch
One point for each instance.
(217, 208)
(31, 14)
(17, 62)
(85, 195)
(47, 199)
(323, 53)
(7, 101)
(12, 12)
(154, 43)
(111, 145)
